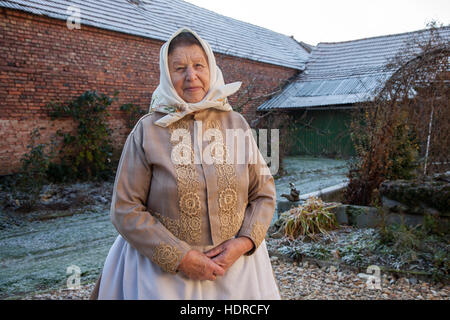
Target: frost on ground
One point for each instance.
(360, 248)
(44, 240)
(308, 281)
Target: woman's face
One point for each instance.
(189, 72)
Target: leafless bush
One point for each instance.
(404, 132)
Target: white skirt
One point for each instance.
(128, 275)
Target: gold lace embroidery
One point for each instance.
(173, 225)
(188, 227)
(258, 233)
(166, 256)
(181, 228)
(230, 218)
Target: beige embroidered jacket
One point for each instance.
(162, 206)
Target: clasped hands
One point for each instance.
(215, 262)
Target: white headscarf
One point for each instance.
(165, 99)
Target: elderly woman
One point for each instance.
(191, 223)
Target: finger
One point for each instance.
(219, 261)
(213, 252)
(212, 278)
(219, 270)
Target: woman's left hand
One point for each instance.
(229, 251)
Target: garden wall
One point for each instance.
(41, 61)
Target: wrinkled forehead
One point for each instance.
(186, 53)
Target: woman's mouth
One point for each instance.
(193, 89)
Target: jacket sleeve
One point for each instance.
(129, 213)
(261, 198)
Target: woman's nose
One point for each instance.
(191, 74)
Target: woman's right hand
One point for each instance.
(197, 266)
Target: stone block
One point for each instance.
(285, 205)
(341, 215)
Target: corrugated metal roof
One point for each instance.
(345, 72)
(158, 19)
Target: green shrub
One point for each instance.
(88, 154)
(25, 186)
(133, 112)
(403, 159)
(35, 164)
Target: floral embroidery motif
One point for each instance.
(230, 218)
(165, 108)
(190, 204)
(258, 233)
(169, 109)
(188, 227)
(166, 256)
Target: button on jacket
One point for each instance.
(164, 206)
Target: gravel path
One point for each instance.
(307, 281)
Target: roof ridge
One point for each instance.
(385, 36)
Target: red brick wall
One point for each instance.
(41, 60)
